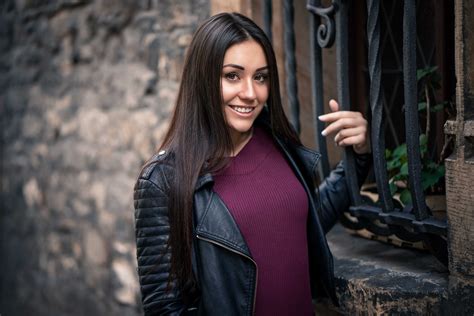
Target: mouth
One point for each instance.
(242, 109)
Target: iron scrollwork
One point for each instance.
(412, 223)
(326, 31)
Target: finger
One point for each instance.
(349, 132)
(333, 105)
(338, 115)
(358, 140)
(335, 126)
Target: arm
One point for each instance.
(334, 192)
(153, 255)
(350, 129)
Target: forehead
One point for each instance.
(248, 53)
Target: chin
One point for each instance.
(242, 129)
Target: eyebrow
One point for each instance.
(242, 68)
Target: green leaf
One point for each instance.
(431, 165)
(404, 169)
(405, 197)
(420, 74)
(421, 106)
(424, 72)
(423, 144)
(400, 151)
(400, 177)
(429, 179)
(393, 164)
(423, 140)
(441, 170)
(393, 188)
(438, 107)
(433, 69)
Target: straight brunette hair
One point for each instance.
(198, 137)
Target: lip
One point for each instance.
(242, 106)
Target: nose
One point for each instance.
(248, 90)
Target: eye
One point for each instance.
(261, 78)
(232, 76)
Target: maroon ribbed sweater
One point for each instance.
(270, 207)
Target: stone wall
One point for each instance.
(85, 91)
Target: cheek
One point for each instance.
(228, 92)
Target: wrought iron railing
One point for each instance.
(328, 25)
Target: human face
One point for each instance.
(245, 87)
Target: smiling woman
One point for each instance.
(227, 217)
(244, 89)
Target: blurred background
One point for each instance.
(85, 91)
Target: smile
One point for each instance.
(242, 109)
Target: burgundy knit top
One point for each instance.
(270, 207)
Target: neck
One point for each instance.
(239, 140)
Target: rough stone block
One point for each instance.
(373, 278)
(460, 201)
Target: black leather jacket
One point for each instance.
(225, 271)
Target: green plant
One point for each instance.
(397, 166)
(432, 172)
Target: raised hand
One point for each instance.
(350, 128)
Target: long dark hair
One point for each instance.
(198, 136)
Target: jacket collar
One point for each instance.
(307, 157)
(264, 120)
(203, 180)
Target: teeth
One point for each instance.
(242, 110)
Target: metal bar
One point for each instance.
(411, 110)
(317, 90)
(326, 31)
(376, 104)
(388, 106)
(267, 18)
(429, 225)
(342, 63)
(290, 64)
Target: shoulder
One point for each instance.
(157, 171)
(303, 156)
(309, 157)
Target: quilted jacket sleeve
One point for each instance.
(334, 192)
(153, 255)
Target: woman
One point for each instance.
(227, 218)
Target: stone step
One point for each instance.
(374, 278)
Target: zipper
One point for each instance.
(241, 254)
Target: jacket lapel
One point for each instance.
(213, 219)
(309, 158)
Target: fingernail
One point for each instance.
(323, 133)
